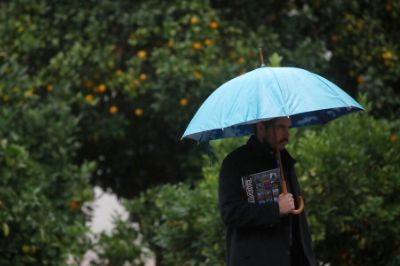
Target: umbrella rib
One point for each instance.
(280, 88)
(331, 90)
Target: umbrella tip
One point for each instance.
(260, 49)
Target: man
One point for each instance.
(263, 234)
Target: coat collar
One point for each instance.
(262, 150)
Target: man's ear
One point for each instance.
(260, 129)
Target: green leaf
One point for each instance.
(6, 229)
(275, 60)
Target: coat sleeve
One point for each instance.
(234, 208)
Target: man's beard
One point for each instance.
(281, 142)
(284, 141)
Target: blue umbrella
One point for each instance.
(266, 93)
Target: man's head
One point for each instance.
(274, 132)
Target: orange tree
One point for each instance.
(100, 81)
(135, 73)
(366, 32)
(42, 189)
(358, 38)
(139, 70)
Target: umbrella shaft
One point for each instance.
(283, 179)
(284, 186)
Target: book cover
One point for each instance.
(263, 187)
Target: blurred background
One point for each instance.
(95, 95)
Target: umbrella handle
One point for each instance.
(301, 206)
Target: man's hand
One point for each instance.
(286, 203)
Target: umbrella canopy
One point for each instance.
(266, 93)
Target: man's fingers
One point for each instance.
(290, 200)
(286, 195)
(286, 203)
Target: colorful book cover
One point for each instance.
(262, 187)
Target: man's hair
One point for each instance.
(266, 123)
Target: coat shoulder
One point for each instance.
(238, 154)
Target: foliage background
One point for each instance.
(99, 93)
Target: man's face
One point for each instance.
(281, 137)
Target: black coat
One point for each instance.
(257, 234)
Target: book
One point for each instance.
(263, 187)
